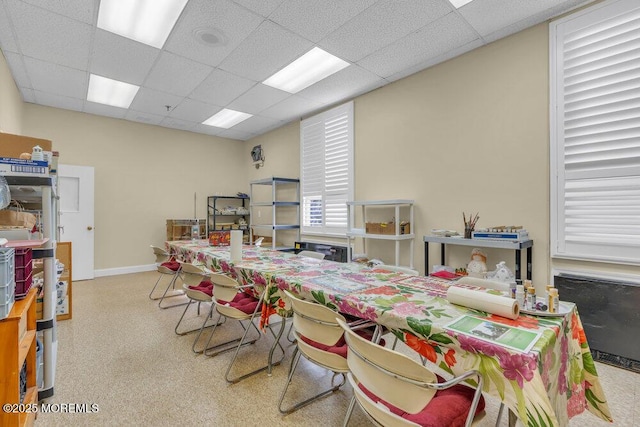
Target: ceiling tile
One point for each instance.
(261, 7)
(316, 19)
(56, 79)
(222, 19)
(265, 51)
(532, 20)
(342, 85)
(487, 16)
(221, 88)
(257, 124)
(120, 58)
(58, 101)
(236, 134)
(291, 108)
(142, 117)
(435, 39)
(51, 37)
(258, 98)
(18, 71)
(194, 111)
(176, 75)
(154, 102)
(27, 94)
(7, 40)
(83, 10)
(104, 110)
(172, 122)
(209, 130)
(381, 25)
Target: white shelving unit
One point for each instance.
(275, 204)
(42, 191)
(394, 206)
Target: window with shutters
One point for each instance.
(595, 133)
(326, 175)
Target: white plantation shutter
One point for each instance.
(595, 133)
(326, 161)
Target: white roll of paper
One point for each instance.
(495, 304)
(236, 245)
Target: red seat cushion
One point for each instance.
(205, 287)
(448, 408)
(171, 265)
(340, 347)
(244, 302)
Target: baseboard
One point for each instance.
(123, 270)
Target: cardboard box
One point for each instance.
(388, 228)
(220, 238)
(14, 145)
(19, 167)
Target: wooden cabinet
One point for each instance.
(180, 229)
(64, 286)
(18, 344)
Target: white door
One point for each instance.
(75, 187)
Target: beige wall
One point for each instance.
(10, 101)
(143, 175)
(469, 135)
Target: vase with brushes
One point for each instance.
(469, 224)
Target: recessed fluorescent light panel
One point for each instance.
(459, 3)
(110, 92)
(146, 21)
(226, 118)
(310, 68)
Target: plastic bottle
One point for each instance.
(520, 295)
(531, 298)
(554, 300)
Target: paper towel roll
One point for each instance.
(495, 304)
(236, 245)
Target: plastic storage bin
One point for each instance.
(7, 265)
(23, 269)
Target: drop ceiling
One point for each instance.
(220, 51)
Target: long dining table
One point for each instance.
(545, 386)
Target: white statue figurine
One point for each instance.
(477, 267)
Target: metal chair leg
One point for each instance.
(171, 282)
(347, 417)
(306, 402)
(200, 328)
(241, 343)
(224, 346)
(164, 295)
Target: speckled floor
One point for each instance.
(120, 352)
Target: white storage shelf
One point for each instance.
(395, 206)
(275, 184)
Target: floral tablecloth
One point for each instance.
(547, 386)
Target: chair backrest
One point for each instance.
(161, 254)
(389, 375)
(315, 321)
(398, 269)
(225, 288)
(484, 283)
(311, 254)
(192, 275)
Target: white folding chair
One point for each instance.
(167, 267)
(382, 378)
(231, 302)
(195, 283)
(319, 338)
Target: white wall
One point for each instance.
(10, 101)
